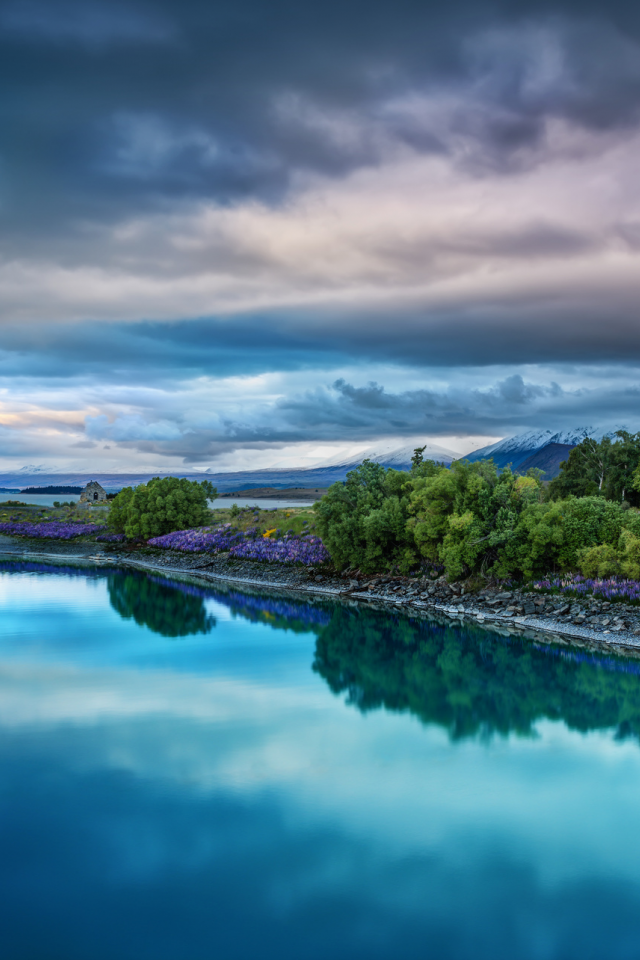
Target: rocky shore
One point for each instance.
(587, 621)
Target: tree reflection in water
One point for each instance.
(171, 609)
(176, 609)
(472, 682)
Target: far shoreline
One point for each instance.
(306, 494)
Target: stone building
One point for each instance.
(93, 493)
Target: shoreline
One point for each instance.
(214, 569)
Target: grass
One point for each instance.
(34, 512)
(298, 519)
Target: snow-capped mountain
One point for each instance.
(391, 455)
(31, 468)
(515, 450)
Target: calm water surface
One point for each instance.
(190, 773)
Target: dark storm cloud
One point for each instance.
(162, 353)
(263, 188)
(108, 109)
(154, 353)
(87, 23)
(507, 404)
(343, 411)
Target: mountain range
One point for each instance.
(544, 449)
(390, 455)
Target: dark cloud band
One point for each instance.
(110, 110)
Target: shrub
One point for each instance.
(160, 506)
(467, 516)
(629, 551)
(601, 561)
(363, 521)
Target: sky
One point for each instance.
(240, 234)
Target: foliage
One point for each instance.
(200, 540)
(363, 521)
(160, 506)
(605, 588)
(418, 457)
(473, 520)
(309, 551)
(608, 468)
(601, 561)
(247, 545)
(465, 516)
(629, 553)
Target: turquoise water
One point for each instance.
(190, 773)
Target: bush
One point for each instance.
(161, 506)
(600, 562)
(363, 521)
(629, 552)
(467, 517)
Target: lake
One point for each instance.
(221, 503)
(191, 772)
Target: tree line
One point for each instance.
(474, 519)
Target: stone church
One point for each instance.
(93, 493)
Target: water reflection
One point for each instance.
(177, 607)
(217, 796)
(172, 610)
(473, 683)
(457, 676)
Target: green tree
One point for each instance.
(475, 519)
(606, 468)
(161, 506)
(464, 516)
(363, 521)
(417, 457)
(625, 460)
(584, 473)
(558, 535)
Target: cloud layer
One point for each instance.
(194, 193)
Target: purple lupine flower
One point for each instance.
(51, 529)
(577, 585)
(248, 546)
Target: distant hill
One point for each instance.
(522, 451)
(277, 493)
(390, 455)
(548, 459)
(52, 488)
